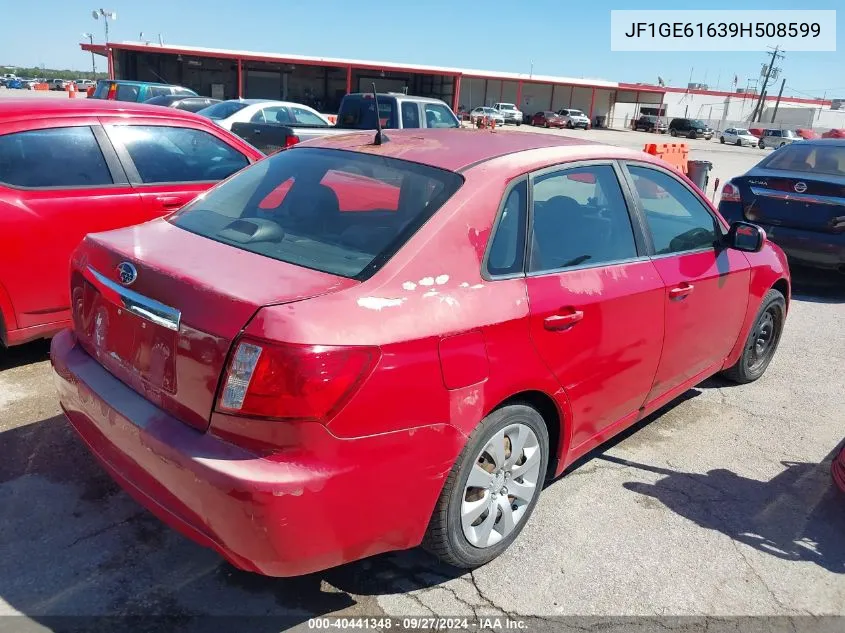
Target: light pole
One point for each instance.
(90, 37)
(106, 15)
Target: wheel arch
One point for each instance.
(550, 411)
(782, 286)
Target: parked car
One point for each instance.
(690, 128)
(795, 194)
(244, 364)
(59, 84)
(756, 131)
(396, 110)
(191, 104)
(574, 118)
(136, 91)
(483, 112)
(233, 111)
(837, 469)
(738, 136)
(835, 133)
(84, 84)
(510, 112)
(15, 84)
(806, 133)
(777, 138)
(71, 167)
(547, 118)
(650, 123)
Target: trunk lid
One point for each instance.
(167, 333)
(801, 200)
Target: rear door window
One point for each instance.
(507, 250)
(579, 219)
(176, 154)
(410, 114)
(340, 212)
(304, 117)
(359, 113)
(127, 92)
(56, 157)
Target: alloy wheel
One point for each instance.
(504, 479)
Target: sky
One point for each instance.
(565, 38)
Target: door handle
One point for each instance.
(681, 291)
(562, 321)
(170, 202)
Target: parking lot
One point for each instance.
(719, 505)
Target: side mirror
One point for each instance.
(747, 237)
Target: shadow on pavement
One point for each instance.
(798, 515)
(20, 355)
(817, 286)
(74, 546)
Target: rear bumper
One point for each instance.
(810, 248)
(291, 513)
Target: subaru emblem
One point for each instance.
(800, 187)
(127, 273)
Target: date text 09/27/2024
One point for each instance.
(418, 624)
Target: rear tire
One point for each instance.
(762, 341)
(673, 133)
(454, 521)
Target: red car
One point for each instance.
(68, 168)
(298, 383)
(834, 133)
(806, 133)
(548, 119)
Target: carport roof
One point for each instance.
(343, 63)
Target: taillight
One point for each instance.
(285, 381)
(291, 140)
(730, 193)
(112, 94)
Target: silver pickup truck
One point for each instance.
(357, 112)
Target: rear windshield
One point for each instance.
(222, 110)
(359, 113)
(805, 157)
(336, 211)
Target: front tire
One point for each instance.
(492, 489)
(762, 341)
(673, 133)
(722, 140)
(739, 142)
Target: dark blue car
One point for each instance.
(797, 194)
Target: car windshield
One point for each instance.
(742, 132)
(340, 212)
(507, 106)
(807, 157)
(576, 113)
(697, 123)
(222, 110)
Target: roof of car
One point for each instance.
(138, 83)
(27, 108)
(450, 148)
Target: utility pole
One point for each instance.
(777, 103)
(90, 37)
(758, 109)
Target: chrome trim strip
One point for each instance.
(834, 201)
(142, 306)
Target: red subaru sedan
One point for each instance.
(68, 168)
(298, 383)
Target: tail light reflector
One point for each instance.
(730, 193)
(112, 94)
(291, 140)
(285, 381)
